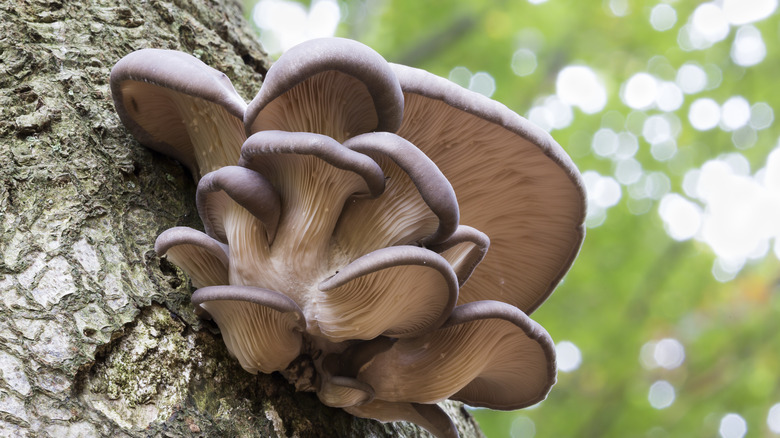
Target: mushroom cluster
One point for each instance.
(348, 210)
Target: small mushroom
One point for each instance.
(487, 354)
(418, 205)
(177, 105)
(261, 327)
(341, 392)
(205, 259)
(331, 86)
(220, 189)
(464, 250)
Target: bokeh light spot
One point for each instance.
(619, 8)
(661, 394)
(670, 96)
(747, 11)
(704, 114)
(748, 48)
(522, 427)
(663, 17)
(568, 355)
(578, 85)
(773, 418)
(461, 76)
(551, 113)
(603, 192)
(735, 113)
(669, 353)
(628, 171)
(524, 62)
(761, 116)
(656, 129)
(732, 426)
(682, 218)
(605, 142)
(482, 83)
(709, 21)
(691, 78)
(284, 24)
(640, 91)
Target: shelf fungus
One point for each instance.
(376, 234)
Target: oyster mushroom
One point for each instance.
(373, 232)
(487, 354)
(331, 86)
(175, 104)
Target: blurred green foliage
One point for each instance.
(632, 283)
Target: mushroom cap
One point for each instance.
(157, 91)
(262, 149)
(204, 259)
(513, 182)
(487, 354)
(339, 392)
(243, 186)
(400, 291)
(331, 86)
(261, 328)
(464, 250)
(416, 168)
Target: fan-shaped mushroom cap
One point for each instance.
(400, 291)
(177, 105)
(417, 206)
(339, 392)
(261, 328)
(430, 416)
(513, 182)
(332, 86)
(218, 190)
(487, 354)
(204, 259)
(464, 250)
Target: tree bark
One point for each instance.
(97, 335)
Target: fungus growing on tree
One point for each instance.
(373, 232)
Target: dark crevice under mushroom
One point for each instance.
(373, 232)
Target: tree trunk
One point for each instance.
(97, 335)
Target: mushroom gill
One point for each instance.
(373, 232)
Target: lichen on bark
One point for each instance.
(97, 336)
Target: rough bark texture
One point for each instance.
(97, 336)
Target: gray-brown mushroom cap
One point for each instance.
(330, 86)
(400, 291)
(340, 392)
(261, 328)
(202, 257)
(487, 354)
(513, 182)
(464, 251)
(170, 101)
(249, 189)
(428, 181)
